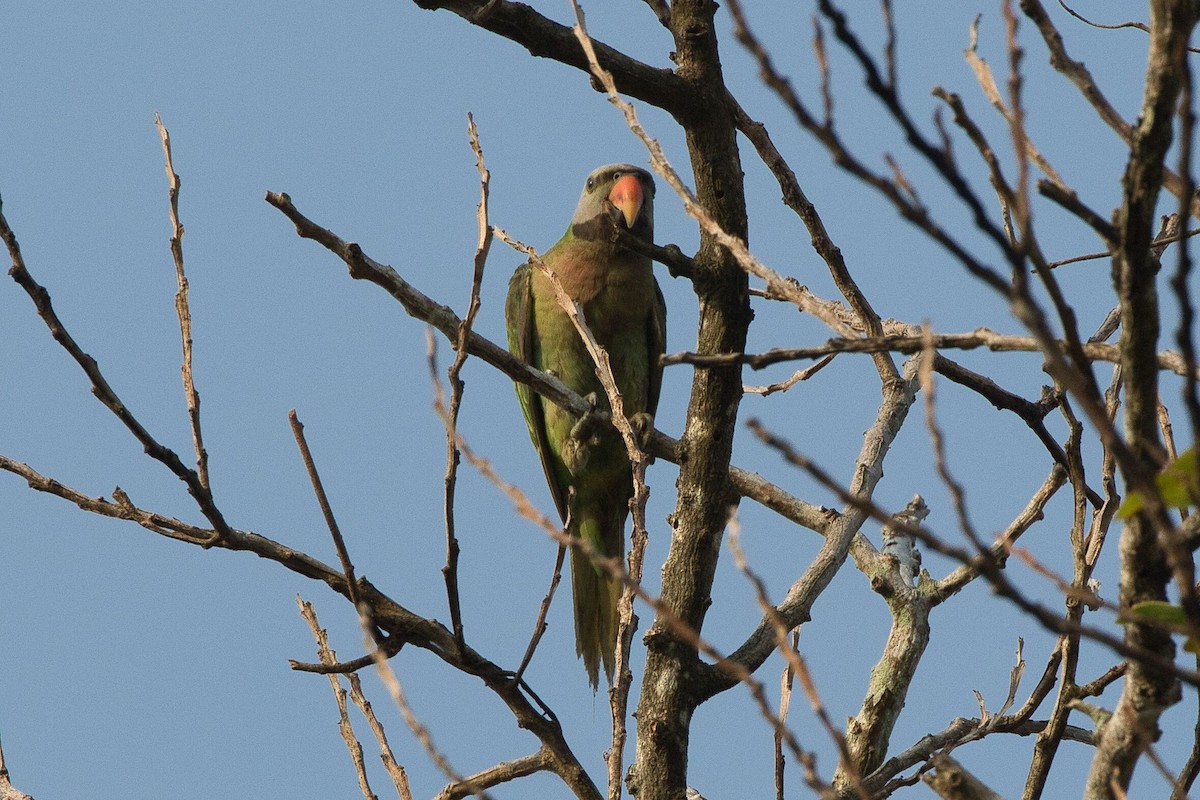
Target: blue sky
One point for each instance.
(138, 667)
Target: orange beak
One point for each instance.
(626, 196)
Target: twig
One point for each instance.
(794, 197)
(1141, 26)
(1110, 676)
(798, 668)
(183, 309)
(1033, 512)
(883, 782)
(988, 720)
(386, 674)
(937, 442)
(987, 82)
(726, 665)
(394, 769)
(988, 566)
(1079, 75)
(1159, 242)
(450, 414)
(494, 776)
(104, 392)
(1032, 413)
(328, 657)
(339, 543)
(785, 698)
(796, 377)
(980, 337)
(1191, 767)
(1068, 199)
(391, 647)
(539, 625)
(523, 506)
(122, 508)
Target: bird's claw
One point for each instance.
(584, 435)
(587, 427)
(643, 428)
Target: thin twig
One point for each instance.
(987, 82)
(121, 507)
(786, 681)
(539, 625)
(328, 656)
(980, 337)
(937, 442)
(1159, 242)
(1141, 26)
(503, 772)
(386, 674)
(326, 510)
(793, 195)
(798, 668)
(450, 414)
(103, 391)
(796, 377)
(1180, 282)
(736, 671)
(986, 562)
(183, 309)
(1079, 75)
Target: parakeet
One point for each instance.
(624, 309)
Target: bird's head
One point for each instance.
(620, 194)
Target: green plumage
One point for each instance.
(624, 309)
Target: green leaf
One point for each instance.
(1161, 611)
(1177, 485)
(1167, 614)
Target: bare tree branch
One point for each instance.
(1081, 77)
(183, 309)
(907, 343)
(101, 388)
(329, 657)
(545, 38)
(1147, 565)
(450, 413)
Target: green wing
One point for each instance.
(523, 343)
(656, 345)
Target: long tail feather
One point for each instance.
(596, 593)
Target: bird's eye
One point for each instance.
(591, 184)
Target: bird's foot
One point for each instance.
(587, 427)
(643, 428)
(585, 434)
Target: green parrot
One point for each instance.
(624, 310)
